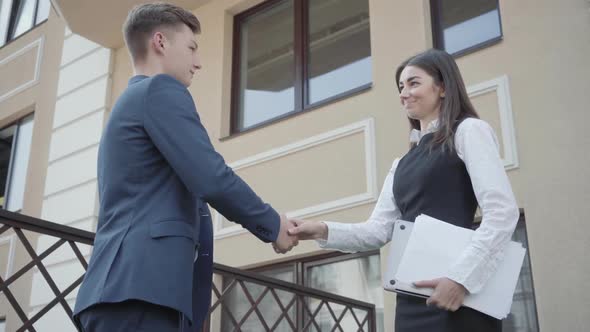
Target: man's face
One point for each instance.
(181, 59)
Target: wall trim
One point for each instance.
(10, 239)
(83, 85)
(367, 127)
(75, 186)
(108, 70)
(501, 86)
(36, 43)
(78, 118)
(52, 162)
(80, 57)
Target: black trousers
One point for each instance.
(413, 315)
(132, 315)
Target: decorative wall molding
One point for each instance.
(501, 87)
(367, 127)
(36, 43)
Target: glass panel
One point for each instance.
(5, 6)
(267, 68)
(466, 23)
(42, 11)
(20, 165)
(6, 138)
(358, 278)
(24, 17)
(523, 315)
(339, 47)
(238, 304)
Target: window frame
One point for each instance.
(300, 84)
(300, 265)
(11, 161)
(12, 20)
(438, 40)
(9, 174)
(522, 223)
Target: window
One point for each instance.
(2, 324)
(462, 26)
(293, 55)
(20, 16)
(239, 303)
(15, 146)
(523, 314)
(357, 276)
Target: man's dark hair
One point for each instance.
(144, 19)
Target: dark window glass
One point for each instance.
(292, 55)
(463, 25)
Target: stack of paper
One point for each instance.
(434, 246)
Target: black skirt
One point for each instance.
(413, 315)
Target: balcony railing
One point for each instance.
(293, 307)
(287, 307)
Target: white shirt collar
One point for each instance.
(416, 135)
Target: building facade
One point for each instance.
(300, 98)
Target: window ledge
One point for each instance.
(477, 47)
(10, 42)
(311, 107)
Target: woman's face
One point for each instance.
(419, 94)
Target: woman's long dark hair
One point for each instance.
(455, 106)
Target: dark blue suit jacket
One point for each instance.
(156, 170)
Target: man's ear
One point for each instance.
(158, 42)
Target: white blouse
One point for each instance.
(477, 145)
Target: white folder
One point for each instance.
(427, 248)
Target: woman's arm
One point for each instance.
(353, 237)
(477, 146)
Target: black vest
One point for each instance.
(431, 181)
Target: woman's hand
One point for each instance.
(447, 295)
(309, 230)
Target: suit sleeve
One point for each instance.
(172, 123)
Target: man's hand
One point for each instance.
(285, 242)
(447, 295)
(309, 230)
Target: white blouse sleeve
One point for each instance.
(371, 234)
(477, 146)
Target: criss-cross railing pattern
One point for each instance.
(19, 223)
(276, 305)
(271, 304)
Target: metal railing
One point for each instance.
(271, 304)
(288, 307)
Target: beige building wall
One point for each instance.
(29, 69)
(329, 163)
(65, 80)
(70, 196)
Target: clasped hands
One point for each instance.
(293, 230)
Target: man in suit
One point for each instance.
(151, 266)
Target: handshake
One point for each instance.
(293, 230)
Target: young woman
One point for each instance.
(453, 166)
